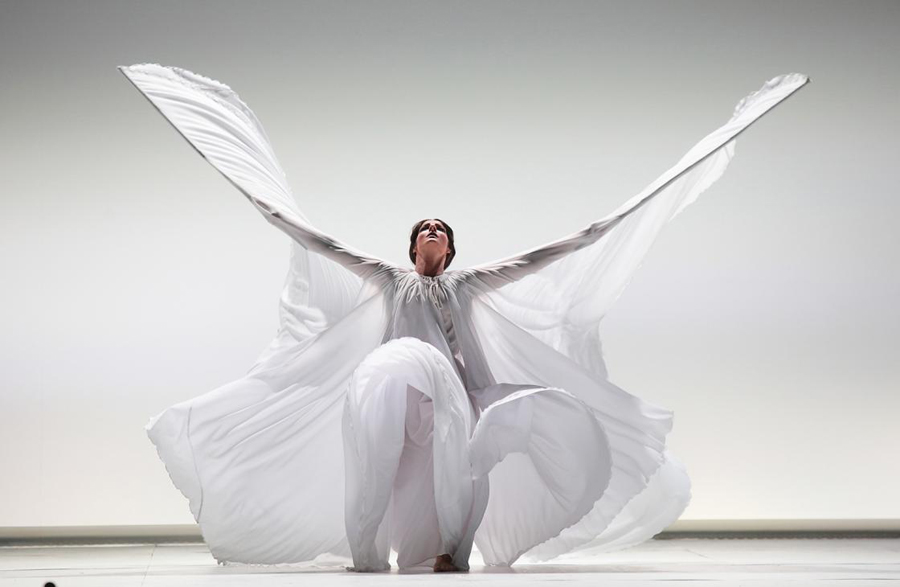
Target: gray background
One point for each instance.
(135, 276)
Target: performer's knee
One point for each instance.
(410, 359)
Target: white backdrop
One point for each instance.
(766, 316)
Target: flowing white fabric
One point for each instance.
(425, 414)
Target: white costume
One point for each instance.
(419, 413)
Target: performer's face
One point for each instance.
(432, 239)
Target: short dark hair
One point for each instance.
(415, 233)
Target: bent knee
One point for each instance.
(406, 351)
(411, 359)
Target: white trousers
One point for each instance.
(409, 481)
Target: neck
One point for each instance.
(429, 267)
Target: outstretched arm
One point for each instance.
(318, 242)
(671, 192)
(510, 269)
(224, 130)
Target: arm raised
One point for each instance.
(223, 129)
(318, 242)
(659, 202)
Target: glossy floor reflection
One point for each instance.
(849, 562)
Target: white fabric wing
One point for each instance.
(559, 292)
(320, 289)
(261, 458)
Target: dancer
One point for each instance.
(425, 409)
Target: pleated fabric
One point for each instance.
(413, 447)
(366, 427)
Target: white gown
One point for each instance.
(422, 414)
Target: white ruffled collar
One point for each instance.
(431, 287)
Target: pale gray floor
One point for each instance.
(848, 562)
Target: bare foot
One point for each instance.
(444, 564)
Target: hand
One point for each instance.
(265, 207)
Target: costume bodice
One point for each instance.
(423, 308)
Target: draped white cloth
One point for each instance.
(425, 414)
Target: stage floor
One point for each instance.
(848, 562)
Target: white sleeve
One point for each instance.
(224, 130)
(316, 241)
(669, 194)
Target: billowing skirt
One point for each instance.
(418, 456)
(404, 458)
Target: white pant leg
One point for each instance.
(376, 422)
(415, 529)
(373, 428)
